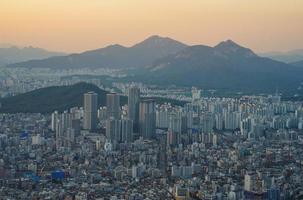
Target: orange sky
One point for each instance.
(78, 25)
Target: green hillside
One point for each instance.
(49, 99)
(60, 98)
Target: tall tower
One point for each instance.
(119, 131)
(133, 106)
(55, 118)
(147, 118)
(90, 110)
(113, 106)
(113, 130)
(126, 130)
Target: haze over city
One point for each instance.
(79, 25)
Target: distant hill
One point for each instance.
(114, 56)
(298, 63)
(12, 54)
(60, 98)
(225, 66)
(287, 57)
(49, 99)
(6, 45)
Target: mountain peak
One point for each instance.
(116, 56)
(231, 47)
(227, 44)
(115, 46)
(158, 41)
(154, 37)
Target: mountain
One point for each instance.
(114, 56)
(6, 45)
(288, 57)
(225, 66)
(12, 54)
(297, 64)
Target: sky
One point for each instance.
(79, 25)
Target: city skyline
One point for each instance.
(174, 99)
(79, 25)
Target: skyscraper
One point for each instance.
(133, 106)
(113, 130)
(126, 130)
(113, 106)
(90, 110)
(147, 119)
(119, 131)
(55, 118)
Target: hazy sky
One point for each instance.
(78, 25)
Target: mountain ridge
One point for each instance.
(11, 54)
(112, 56)
(287, 56)
(298, 63)
(226, 65)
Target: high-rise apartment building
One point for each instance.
(119, 131)
(113, 130)
(133, 106)
(126, 130)
(90, 110)
(147, 118)
(113, 106)
(55, 118)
